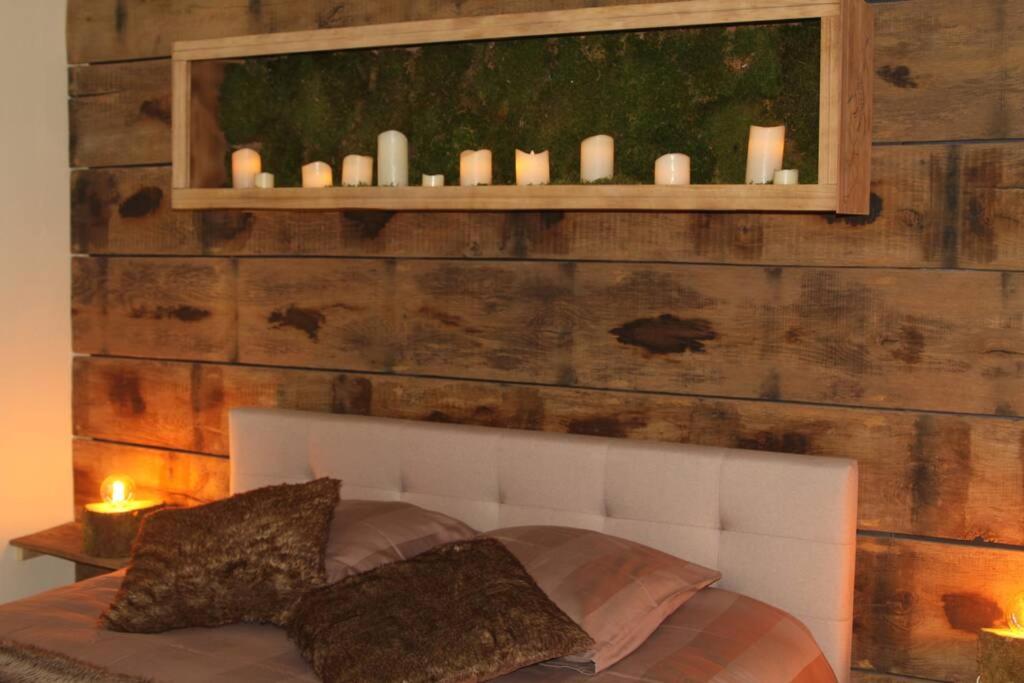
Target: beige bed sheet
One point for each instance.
(717, 636)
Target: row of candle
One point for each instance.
(597, 162)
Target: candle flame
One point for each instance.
(118, 490)
(1016, 616)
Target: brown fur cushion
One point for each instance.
(246, 558)
(27, 664)
(466, 611)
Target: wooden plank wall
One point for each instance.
(895, 338)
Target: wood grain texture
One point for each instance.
(173, 477)
(856, 106)
(949, 70)
(128, 211)
(120, 114)
(65, 542)
(514, 198)
(121, 305)
(921, 473)
(919, 605)
(637, 17)
(865, 337)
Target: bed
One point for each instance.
(780, 528)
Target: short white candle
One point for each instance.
(436, 180)
(475, 167)
(532, 168)
(597, 158)
(672, 169)
(264, 181)
(764, 153)
(356, 170)
(788, 176)
(245, 164)
(392, 159)
(317, 174)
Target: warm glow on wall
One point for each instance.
(118, 490)
(1016, 616)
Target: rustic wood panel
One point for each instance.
(949, 70)
(120, 113)
(174, 477)
(991, 206)
(919, 605)
(920, 473)
(869, 337)
(125, 306)
(946, 70)
(128, 211)
(935, 206)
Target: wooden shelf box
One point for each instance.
(844, 157)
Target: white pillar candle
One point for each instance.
(356, 170)
(264, 181)
(789, 176)
(436, 180)
(317, 174)
(597, 158)
(475, 167)
(672, 169)
(532, 168)
(764, 153)
(392, 159)
(245, 164)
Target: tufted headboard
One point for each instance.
(781, 528)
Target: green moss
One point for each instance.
(693, 90)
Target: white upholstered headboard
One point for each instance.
(781, 528)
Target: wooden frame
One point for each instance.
(844, 131)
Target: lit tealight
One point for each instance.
(1016, 616)
(118, 490)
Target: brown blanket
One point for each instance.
(28, 664)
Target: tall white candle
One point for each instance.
(392, 159)
(435, 180)
(264, 181)
(317, 174)
(764, 153)
(789, 176)
(532, 168)
(672, 169)
(597, 158)
(245, 164)
(356, 170)
(475, 167)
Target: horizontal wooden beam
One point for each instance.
(518, 25)
(933, 206)
(515, 198)
(921, 473)
(928, 340)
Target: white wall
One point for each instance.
(35, 327)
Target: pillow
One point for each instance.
(246, 558)
(368, 533)
(617, 590)
(466, 611)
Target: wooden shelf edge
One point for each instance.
(796, 198)
(63, 541)
(516, 25)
